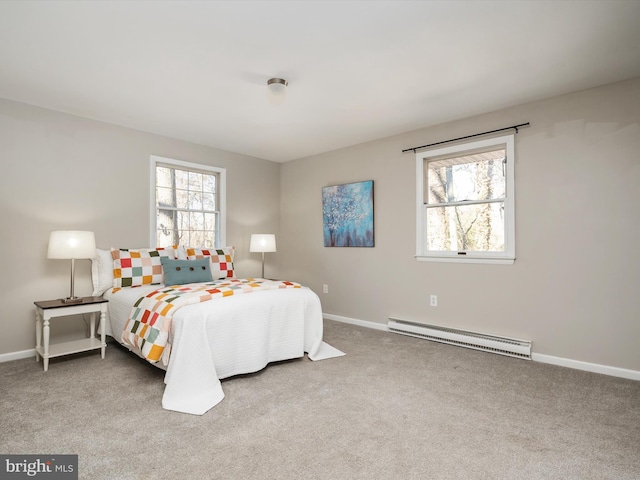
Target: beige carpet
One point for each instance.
(393, 408)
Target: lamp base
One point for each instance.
(71, 300)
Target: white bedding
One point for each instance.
(228, 336)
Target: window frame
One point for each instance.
(221, 190)
(506, 257)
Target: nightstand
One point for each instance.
(50, 309)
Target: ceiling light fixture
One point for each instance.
(276, 88)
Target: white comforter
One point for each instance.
(229, 336)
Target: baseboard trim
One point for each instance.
(8, 357)
(586, 366)
(536, 357)
(355, 321)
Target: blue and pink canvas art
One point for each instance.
(347, 213)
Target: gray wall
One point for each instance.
(64, 172)
(573, 289)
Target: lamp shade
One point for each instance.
(263, 242)
(72, 244)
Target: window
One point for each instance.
(465, 208)
(187, 203)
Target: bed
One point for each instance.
(221, 337)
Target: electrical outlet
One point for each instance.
(325, 288)
(434, 300)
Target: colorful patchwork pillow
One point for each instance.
(133, 268)
(181, 272)
(221, 260)
(174, 251)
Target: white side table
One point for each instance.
(49, 309)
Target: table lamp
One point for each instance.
(263, 242)
(71, 245)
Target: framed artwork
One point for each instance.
(347, 214)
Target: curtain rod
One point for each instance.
(516, 127)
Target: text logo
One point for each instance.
(51, 467)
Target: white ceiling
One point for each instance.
(357, 70)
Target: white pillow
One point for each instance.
(101, 272)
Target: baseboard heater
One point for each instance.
(478, 341)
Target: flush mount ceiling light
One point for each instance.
(276, 88)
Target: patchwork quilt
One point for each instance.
(147, 329)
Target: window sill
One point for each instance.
(466, 259)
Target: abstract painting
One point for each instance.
(347, 213)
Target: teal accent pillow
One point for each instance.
(179, 272)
